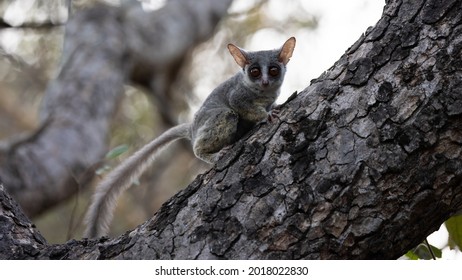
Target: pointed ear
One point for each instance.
(286, 50)
(238, 54)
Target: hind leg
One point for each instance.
(216, 133)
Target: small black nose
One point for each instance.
(265, 82)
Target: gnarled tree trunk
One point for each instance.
(363, 164)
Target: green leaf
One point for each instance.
(117, 151)
(411, 255)
(437, 251)
(454, 226)
(422, 252)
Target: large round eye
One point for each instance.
(255, 72)
(273, 71)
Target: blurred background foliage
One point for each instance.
(31, 39)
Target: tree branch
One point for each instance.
(364, 163)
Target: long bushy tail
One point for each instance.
(104, 200)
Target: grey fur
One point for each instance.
(229, 111)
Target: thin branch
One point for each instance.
(430, 249)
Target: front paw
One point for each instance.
(273, 115)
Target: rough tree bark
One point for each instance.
(363, 164)
(104, 48)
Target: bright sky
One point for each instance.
(340, 24)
